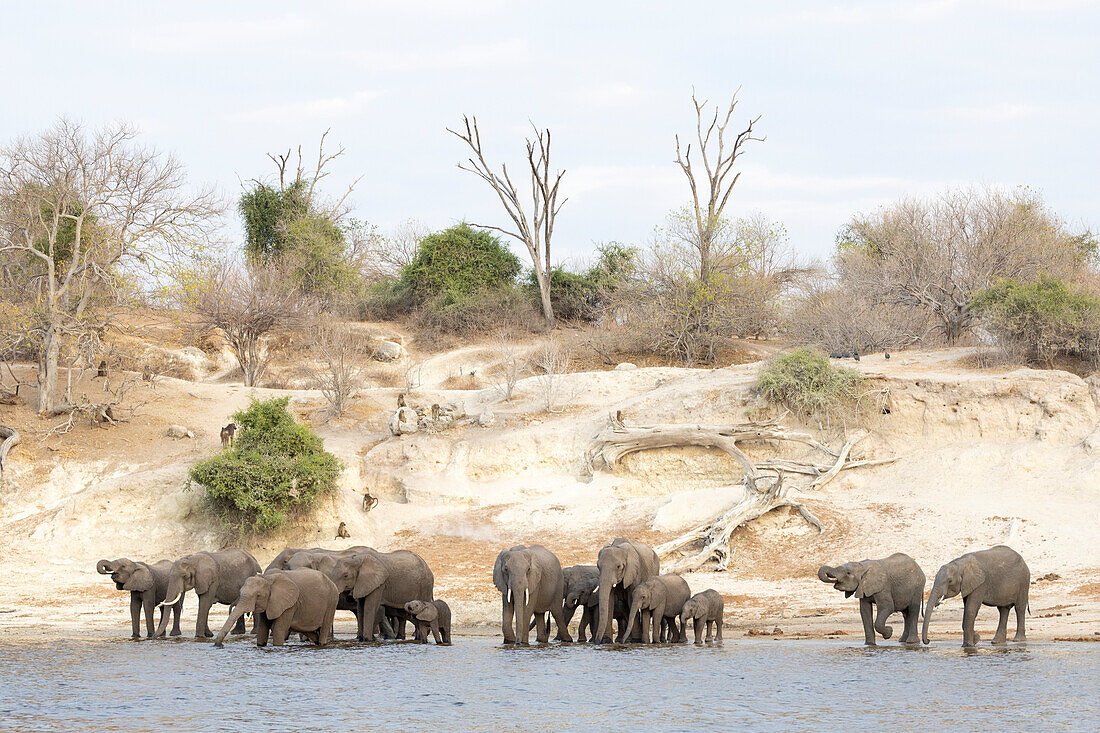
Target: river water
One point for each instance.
(85, 684)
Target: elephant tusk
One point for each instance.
(171, 602)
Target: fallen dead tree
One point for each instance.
(10, 439)
(759, 495)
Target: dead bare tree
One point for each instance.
(242, 304)
(618, 440)
(510, 367)
(333, 210)
(551, 361)
(79, 210)
(711, 188)
(11, 439)
(341, 354)
(534, 230)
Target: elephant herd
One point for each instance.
(301, 590)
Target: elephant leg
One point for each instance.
(135, 615)
(542, 629)
(699, 625)
(370, 604)
(202, 625)
(911, 615)
(263, 629)
(646, 617)
(149, 604)
(583, 625)
(435, 633)
(867, 614)
(884, 611)
(1001, 637)
(562, 623)
(176, 611)
(970, 615)
(239, 628)
(325, 632)
(1021, 609)
(507, 612)
(280, 629)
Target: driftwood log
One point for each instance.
(10, 437)
(762, 485)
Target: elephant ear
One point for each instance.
(632, 568)
(371, 575)
(205, 576)
(141, 579)
(872, 582)
(428, 613)
(498, 573)
(971, 573)
(534, 574)
(284, 594)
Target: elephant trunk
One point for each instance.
(176, 589)
(607, 610)
(827, 574)
(518, 589)
(933, 600)
(634, 615)
(238, 610)
(103, 567)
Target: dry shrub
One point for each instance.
(461, 381)
(508, 310)
(837, 319)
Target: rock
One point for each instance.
(404, 421)
(389, 351)
(625, 366)
(487, 419)
(1091, 443)
(179, 431)
(787, 613)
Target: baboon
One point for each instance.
(102, 372)
(146, 373)
(342, 532)
(619, 417)
(886, 354)
(369, 502)
(855, 354)
(227, 434)
(401, 400)
(435, 412)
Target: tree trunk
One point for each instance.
(544, 293)
(11, 439)
(47, 372)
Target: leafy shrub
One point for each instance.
(583, 296)
(482, 312)
(808, 385)
(275, 469)
(457, 262)
(1045, 318)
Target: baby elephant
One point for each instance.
(658, 599)
(435, 615)
(891, 584)
(704, 609)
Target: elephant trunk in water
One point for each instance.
(518, 589)
(933, 600)
(607, 582)
(238, 610)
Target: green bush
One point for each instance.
(484, 312)
(276, 468)
(806, 383)
(457, 262)
(1045, 319)
(582, 296)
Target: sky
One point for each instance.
(861, 103)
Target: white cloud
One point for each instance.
(326, 107)
(511, 52)
(218, 32)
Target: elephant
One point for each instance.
(704, 609)
(530, 582)
(890, 584)
(216, 577)
(380, 581)
(660, 599)
(323, 560)
(581, 582)
(148, 585)
(283, 601)
(994, 577)
(623, 564)
(435, 616)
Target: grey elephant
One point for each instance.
(216, 577)
(148, 586)
(883, 587)
(581, 583)
(994, 577)
(383, 581)
(656, 602)
(623, 564)
(434, 616)
(704, 610)
(318, 558)
(530, 582)
(283, 601)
